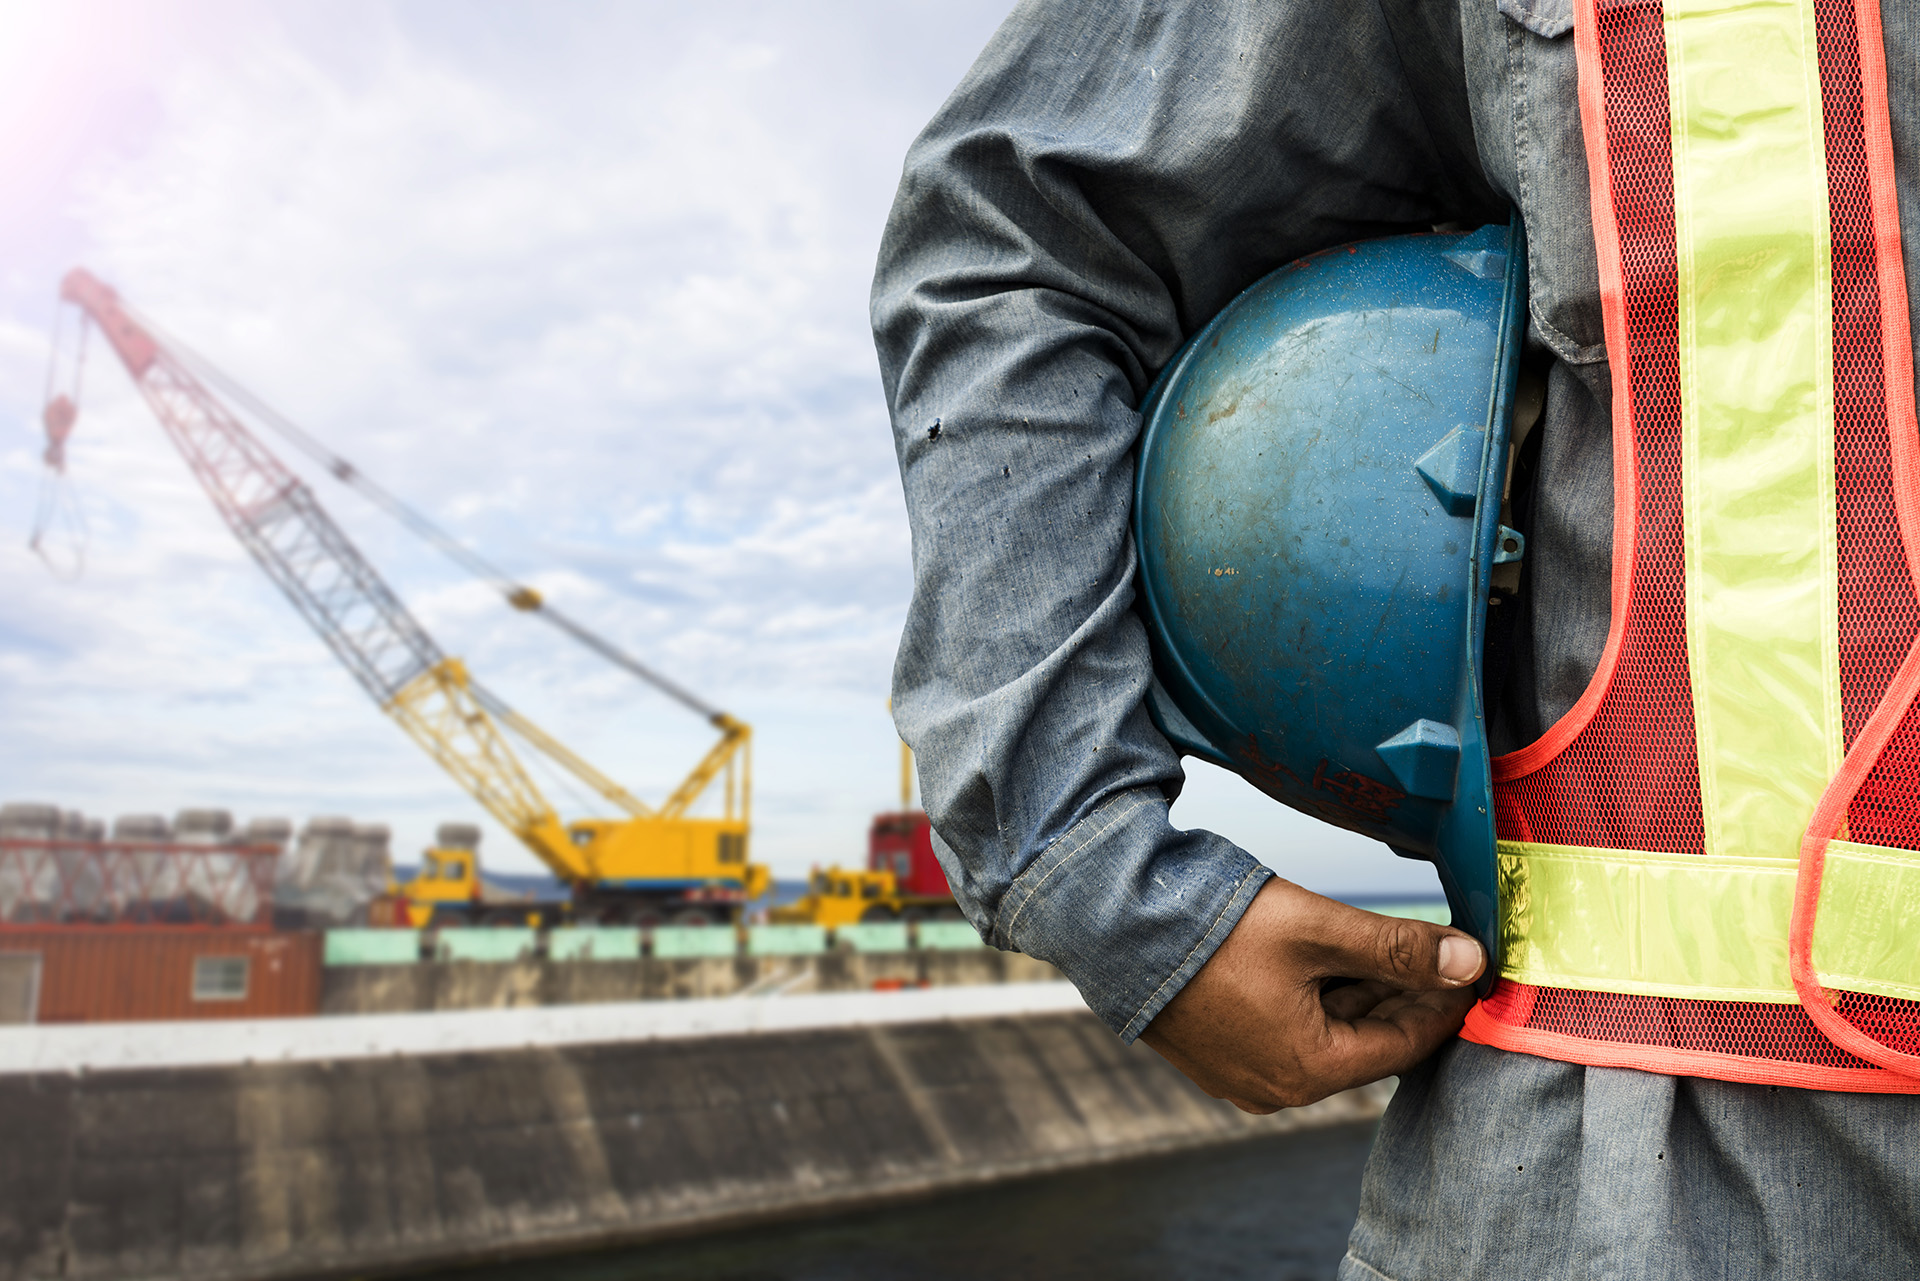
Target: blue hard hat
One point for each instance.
(1317, 512)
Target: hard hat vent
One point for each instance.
(1452, 469)
(1425, 758)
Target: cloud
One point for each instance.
(587, 284)
(590, 291)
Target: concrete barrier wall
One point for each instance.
(359, 1165)
(473, 985)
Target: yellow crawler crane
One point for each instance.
(645, 864)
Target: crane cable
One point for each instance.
(518, 595)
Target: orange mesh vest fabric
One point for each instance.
(1621, 771)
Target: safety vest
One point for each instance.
(1711, 865)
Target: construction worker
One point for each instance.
(1706, 701)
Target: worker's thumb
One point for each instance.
(1415, 955)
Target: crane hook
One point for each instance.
(59, 417)
(57, 509)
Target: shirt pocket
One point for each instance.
(1551, 160)
(1549, 18)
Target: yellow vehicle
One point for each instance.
(447, 878)
(449, 888)
(645, 863)
(647, 866)
(901, 882)
(837, 897)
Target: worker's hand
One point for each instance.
(1259, 1027)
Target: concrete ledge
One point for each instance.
(379, 1161)
(113, 1047)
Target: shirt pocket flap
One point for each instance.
(1549, 18)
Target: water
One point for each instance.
(1278, 1209)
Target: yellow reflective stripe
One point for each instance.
(1752, 249)
(1755, 338)
(1653, 924)
(1868, 939)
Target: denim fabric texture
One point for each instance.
(1616, 1175)
(1106, 178)
(1109, 175)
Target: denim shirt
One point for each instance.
(1108, 176)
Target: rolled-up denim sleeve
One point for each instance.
(1106, 177)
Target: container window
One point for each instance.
(219, 978)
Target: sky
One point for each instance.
(585, 283)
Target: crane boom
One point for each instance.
(281, 523)
(271, 511)
(517, 594)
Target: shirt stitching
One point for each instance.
(1564, 346)
(1372, 1271)
(1129, 802)
(1201, 941)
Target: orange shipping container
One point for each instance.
(80, 974)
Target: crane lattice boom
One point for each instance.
(281, 523)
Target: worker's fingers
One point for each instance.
(1305, 1054)
(1345, 942)
(1261, 1027)
(1352, 1000)
(1412, 992)
(1397, 1033)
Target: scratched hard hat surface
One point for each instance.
(1317, 496)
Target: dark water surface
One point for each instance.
(1278, 1209)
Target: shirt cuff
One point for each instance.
(1128, 907)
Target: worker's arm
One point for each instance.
(1106, 178)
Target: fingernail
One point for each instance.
(1459, 958)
